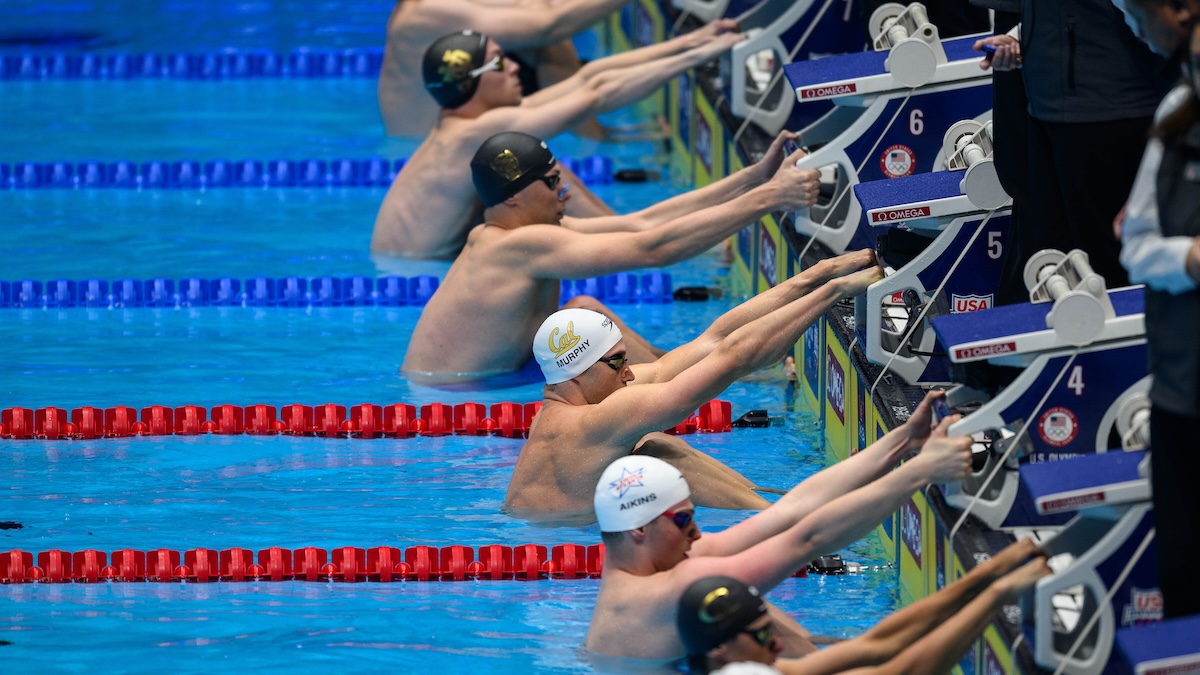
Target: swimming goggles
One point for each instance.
(551, 181)
(681, 520)
(616, 361)
(761, 635)
(497, 63)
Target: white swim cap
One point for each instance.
(635, 490)
(571, 340)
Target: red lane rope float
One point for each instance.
(493, 562)
(367, 420)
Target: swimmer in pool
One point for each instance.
(538, 32)
(432, 205)
(723, 621)
(654, 549)
(482, 319)
(597, 406)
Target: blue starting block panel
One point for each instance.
(1092, 480)
(866, 73)
(924, 195)
(1021, 329)
(1167, 648)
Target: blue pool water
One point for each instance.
(255, 492)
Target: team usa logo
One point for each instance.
(970, 303)
(627, 481)
(1145, 606)
(1058, 426)
(898, 161)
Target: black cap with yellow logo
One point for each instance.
(713, 610)
(508, 162)
(448, 65)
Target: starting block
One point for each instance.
(938, 216)
(884, 101)
(1168, 648)
(753, 71)
(1111, 494)
(1099, 402)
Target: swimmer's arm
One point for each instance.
(764, 563)
(687, 355)
(635, 57)
(663, 404)
(557, 253)
(938, 651)
(904, 627)
(731, 186)
(519, 25)
(861, 468)
(615, 88)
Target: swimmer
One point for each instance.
(723, 621)
(432, 205)
(654, 550)
(481, 320)
(597, 406)
(539, 32)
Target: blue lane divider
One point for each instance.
(390, 291)
(625, 288)
(224, 64)
(248, 173)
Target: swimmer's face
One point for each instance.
(500, 87)
(603, 379)
(747, 645)
(1163, 28)
(674, 541)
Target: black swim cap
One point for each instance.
(448, 64)
(714, 610)
(508, 162)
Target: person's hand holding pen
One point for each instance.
(1001, 52)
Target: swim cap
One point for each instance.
(507, 163)
(713, 610)
(635, 490)
(448, 64)
(571, 340)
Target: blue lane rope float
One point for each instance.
(225, 64)
(246, 173)
(388, 291)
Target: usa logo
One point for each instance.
(1058, 426)
(897, 161)
(1145, 605)
(627, 481)
(970, 303)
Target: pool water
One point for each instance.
(255, 492)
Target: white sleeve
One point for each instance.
(1148, 256)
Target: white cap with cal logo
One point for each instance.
(571, 340)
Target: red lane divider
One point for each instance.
(366, 420)
(347, 564)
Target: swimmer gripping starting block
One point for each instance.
(777, 32)
(884, 104)
(1105, 550)
(1084, 353)
(936, 230)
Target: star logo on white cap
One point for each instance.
(627, 481)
